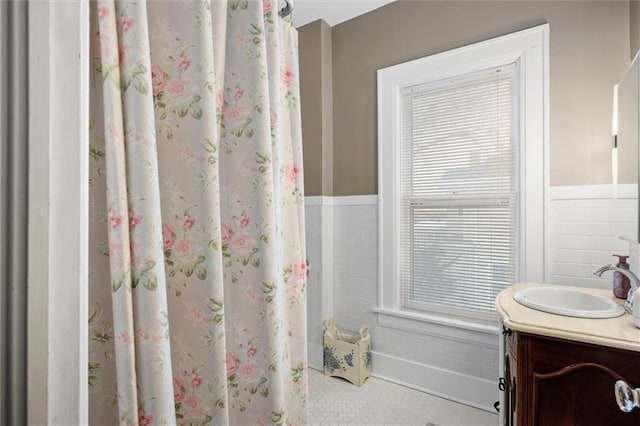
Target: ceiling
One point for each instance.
(332, 11)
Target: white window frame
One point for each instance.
(530, 49)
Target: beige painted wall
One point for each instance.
(589, 53)
(634, 24)
(311, 106)
(316, 93)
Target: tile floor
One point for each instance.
(334, 401)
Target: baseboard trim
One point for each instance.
(314, 356)
(462, 388)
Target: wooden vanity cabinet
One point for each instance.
(553, 382)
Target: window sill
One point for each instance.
(440, 326)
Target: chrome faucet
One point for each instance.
(635, 283)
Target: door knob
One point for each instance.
(627, 397)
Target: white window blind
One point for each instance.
(458, 192)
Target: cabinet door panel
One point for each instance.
(581, 395)
(564, 383)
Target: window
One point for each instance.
(457, 191)
(461, 140)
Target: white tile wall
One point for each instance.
(314, 254)
(354, 278)
(586, 228)
(584, 224)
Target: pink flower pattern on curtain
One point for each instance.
(198, 271)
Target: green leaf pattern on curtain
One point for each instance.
(198, 272)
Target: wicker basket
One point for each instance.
(347, 355)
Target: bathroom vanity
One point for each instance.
(561, 370)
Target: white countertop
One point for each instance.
(616, 332)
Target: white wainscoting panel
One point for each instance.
(587, 226)
(584, 223)
(450, 368)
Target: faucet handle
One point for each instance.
(628, 304)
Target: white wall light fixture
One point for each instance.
(614, 147)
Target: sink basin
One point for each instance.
(571, 303)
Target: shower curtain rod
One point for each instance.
(287, 9)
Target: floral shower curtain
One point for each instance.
(198, 273)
